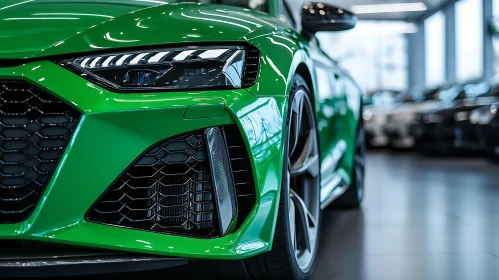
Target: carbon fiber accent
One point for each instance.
(21, 258)
(222, 177)
(35, 128)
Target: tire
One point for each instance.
(353, 196)
(283, 262)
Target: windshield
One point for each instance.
(260, 5)
(426, 96)
(475, 90)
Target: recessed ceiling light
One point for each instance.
(389, 8)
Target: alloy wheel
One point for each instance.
(303, 178)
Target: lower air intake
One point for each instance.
(170, 189)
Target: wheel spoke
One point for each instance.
(297, 114)
(311, 165)
(308, 160)
(305, 222)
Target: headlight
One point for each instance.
(483, 115)
(170, 69)
(493, 109)
(367, 115)
(474, 117)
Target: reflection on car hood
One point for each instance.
(376, 110)
(36, 28)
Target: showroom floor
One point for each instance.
(423, 218)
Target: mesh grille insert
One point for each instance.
(168, 189)
(35, 128)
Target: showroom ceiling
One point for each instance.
(371, 8)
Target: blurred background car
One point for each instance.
(401, 118)
(377, 104)
(486, 121)
(451, 129)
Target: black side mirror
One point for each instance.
(323, 17)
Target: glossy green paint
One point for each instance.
(117, 128)
(47, 27)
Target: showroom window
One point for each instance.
(495, 39)
(435, 50)
(469, 40)
(374, 53)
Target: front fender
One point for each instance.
(280, 55)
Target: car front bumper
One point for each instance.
(446, 136)
(375, 134)
(115, 129)
(489, 138)
(399, 134)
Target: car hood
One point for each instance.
(414, 108)
(37, 28)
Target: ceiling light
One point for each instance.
(389, 8)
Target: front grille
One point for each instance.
(35, 128)
(169, 189)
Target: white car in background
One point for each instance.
(377, 106)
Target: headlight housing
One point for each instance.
(432, 118)
(170, 69)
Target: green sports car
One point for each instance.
(141, 134)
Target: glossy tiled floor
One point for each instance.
(423, 218)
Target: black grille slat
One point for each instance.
(243, 176)
(35, 128)
(251, 66)
(168, 190)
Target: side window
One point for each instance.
(324, 85)
(351, 87)
(287, 16)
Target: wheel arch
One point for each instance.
(303, 70)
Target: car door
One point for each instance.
(338, 102)
(329, 87)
